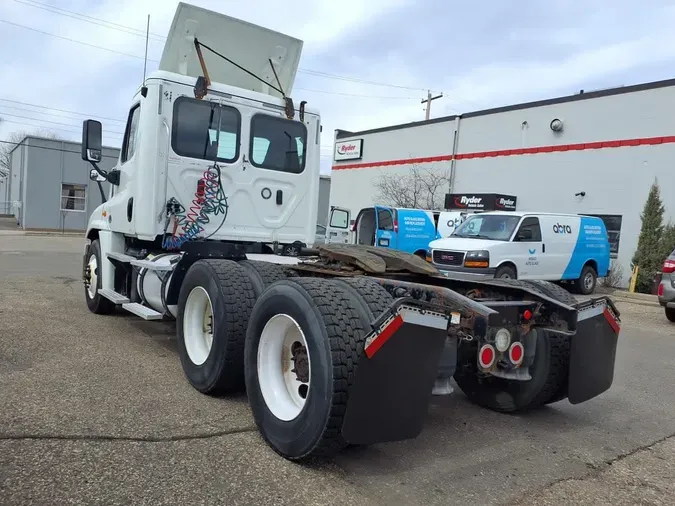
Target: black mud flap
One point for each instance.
(593, 350)
(389, 398)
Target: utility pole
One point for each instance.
(428, 101)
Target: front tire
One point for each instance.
(322, 318)
(506, 272)
(214, 306)
(96, 303)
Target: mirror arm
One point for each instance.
(113, 176)
(100, 188)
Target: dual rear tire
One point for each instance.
(294, 344)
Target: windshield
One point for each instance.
(495, 227)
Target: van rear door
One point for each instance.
(337, 231)
(386, 232)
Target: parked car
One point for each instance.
(666, 291)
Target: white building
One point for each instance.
(592, 153)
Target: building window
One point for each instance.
(613, 225)
(73, 197)
(278, 144)
(198, 123)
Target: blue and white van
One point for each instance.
(398, 228)
(519, 245)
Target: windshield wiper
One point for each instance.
(473, 236)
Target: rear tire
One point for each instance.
(96, 303)
(329, 321)
(670, 314)
(587, 281)
(549, 373)
(212, 355)
(369, 295)
(263, 274)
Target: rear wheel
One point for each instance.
(214, 305)
(263, 274)
(549, 370)
(587, 280)
(302, 348)
(670, 314)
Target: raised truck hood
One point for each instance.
(250, 46)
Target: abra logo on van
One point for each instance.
(562, 229)
(472, 201)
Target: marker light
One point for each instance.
(527, 315)
(502, 340)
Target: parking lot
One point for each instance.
(96, 410)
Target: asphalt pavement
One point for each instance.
(96, 410)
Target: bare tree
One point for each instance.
(421, 188)
(14, 138)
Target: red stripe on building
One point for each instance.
(513, 152)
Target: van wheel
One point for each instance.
(505, 272)
(587, 281)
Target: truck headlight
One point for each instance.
(479, 258)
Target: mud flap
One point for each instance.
(389, 397)
(593, 350)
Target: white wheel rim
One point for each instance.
(93, 276)
(284, 392)
(198, 325)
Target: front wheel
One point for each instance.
(96, 303)
(302, 348)
(505, 272)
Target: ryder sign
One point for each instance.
(349, 150)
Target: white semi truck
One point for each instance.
(343, 345)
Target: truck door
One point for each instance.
(337, 231)
(386, 232)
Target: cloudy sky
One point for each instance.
(365, 63)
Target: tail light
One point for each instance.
(668, 266)
(396, 226)
(516, 353)
(660, 291)
(486, 356)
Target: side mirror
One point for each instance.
(94, 175)
(92, 133)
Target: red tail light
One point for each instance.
(668, 266)
(516, 353)
(395, 226)
(660, 291)
(486, 356)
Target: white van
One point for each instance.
(519, 245)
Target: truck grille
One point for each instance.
(448, 257)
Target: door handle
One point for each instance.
(280, 197)
(543, 248)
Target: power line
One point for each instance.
(55, 149)
(47, 121)
(76, 41)
(60, 110)
(44, 127)
(79, 16)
